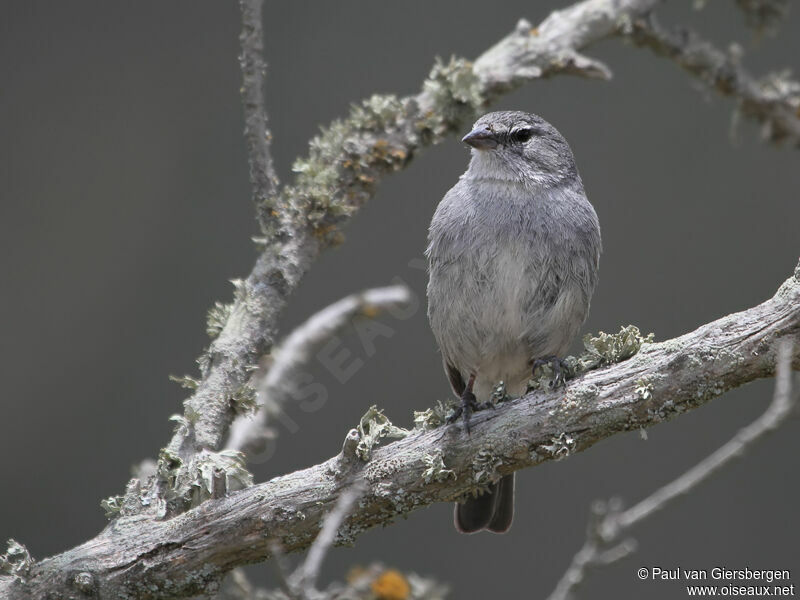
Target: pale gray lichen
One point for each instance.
(499, 393)
(17, 561)
(377, 113)
(484, 467)
(346, 160)
(431, 418)
(181, 424)
(185, 421)
(373, 426)
(244, 400)
(609, 348)
(599, 351)
(217, 317)
(112, 506)
(248, 297)
(186, 485)
(185, 381)
(644, 389)
(436, 471)
(195, 483)
(457, 94)
(560, 446)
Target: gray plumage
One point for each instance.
(513, 257)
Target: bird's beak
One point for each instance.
(481, 138)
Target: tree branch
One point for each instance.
(774, 101)
(256, 131)
(140, 557)
(308, 572)
(609, 524)
(278, 382)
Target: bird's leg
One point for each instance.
(469, 404)
(557, 364)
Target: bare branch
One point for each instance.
(777, 413)
(277, 384)
(764, 15)
(256, 132)
(308, 572)
(238, 587)
(608, 524)
(181, 556)
(774, 101)
(281, 568)
(301, 585)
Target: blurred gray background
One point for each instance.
(126, 209)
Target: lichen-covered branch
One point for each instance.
(773, 101)
(136, 556)
(305, 576)
(609, 524)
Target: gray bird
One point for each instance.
(513, 254)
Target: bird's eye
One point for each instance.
(522, 135)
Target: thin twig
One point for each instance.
(236, 587)
(301, 584)
(279, 382)
(308, 572)
(764, 15)
(256, 131)
(609, 524)
(281, 569)
(779, 410)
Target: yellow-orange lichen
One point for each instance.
(391, 585)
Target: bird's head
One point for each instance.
(519, 146)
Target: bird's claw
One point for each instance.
(469, 404)
(559, 367)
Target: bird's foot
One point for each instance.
(559, 367)
(469, 404)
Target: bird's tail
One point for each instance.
(493, 510)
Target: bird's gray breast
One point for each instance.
(512, 271)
